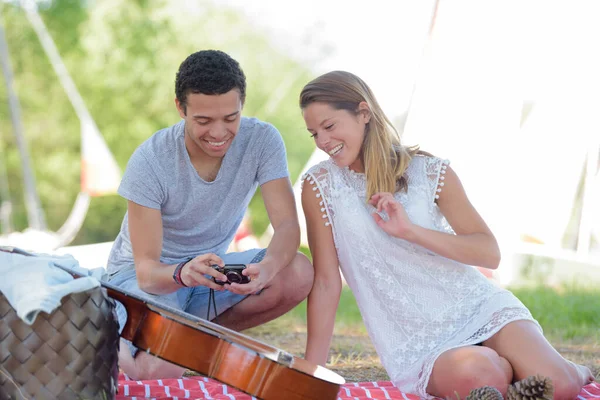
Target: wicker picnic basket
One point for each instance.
(69, 354)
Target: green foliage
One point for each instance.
(306, 251)
(567, 313)
(123, 57)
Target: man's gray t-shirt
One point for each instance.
(198, 216)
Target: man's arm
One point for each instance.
(145, 231)
(278, 197)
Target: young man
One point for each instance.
(188, 187)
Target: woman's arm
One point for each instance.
(324, 297)
(473, 244)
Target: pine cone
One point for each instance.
(531, 388)
(485, 393)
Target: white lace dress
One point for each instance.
(415, 303)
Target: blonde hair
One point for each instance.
(385, 160)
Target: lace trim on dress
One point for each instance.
(441, 178)
(313, 181)
(436, 169)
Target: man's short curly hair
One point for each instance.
(209, 72)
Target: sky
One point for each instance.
(380, 40)
(466, 86)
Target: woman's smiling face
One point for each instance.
(339, 133)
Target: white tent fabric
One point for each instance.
(483, 62)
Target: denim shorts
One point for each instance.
(192, 300)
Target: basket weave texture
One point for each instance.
(69, 354)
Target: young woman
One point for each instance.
(399, 224)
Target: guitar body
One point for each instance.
(230, 357)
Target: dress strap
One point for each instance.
(436, 170)
(313, 178)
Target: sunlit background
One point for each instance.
(508, 91)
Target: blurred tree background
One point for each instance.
(123, 57)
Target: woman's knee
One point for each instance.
(480, 367)
(484, 368)
(464, 369)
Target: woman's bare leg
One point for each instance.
(460, 370)
(529, 353)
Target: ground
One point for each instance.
(353, 356)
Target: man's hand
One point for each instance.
(398, 224)
(194, 271)
(260, 275)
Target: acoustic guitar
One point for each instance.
(228, 356)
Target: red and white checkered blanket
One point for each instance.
(198, 387)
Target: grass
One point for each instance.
(565, 313)
(347, 316)
(569, 315)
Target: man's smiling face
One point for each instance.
(211, 122)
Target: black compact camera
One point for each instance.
(233, 272)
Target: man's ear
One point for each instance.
(180, 107)
(365, 111)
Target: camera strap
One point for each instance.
(213, 302)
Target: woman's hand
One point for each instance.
(398, 224)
